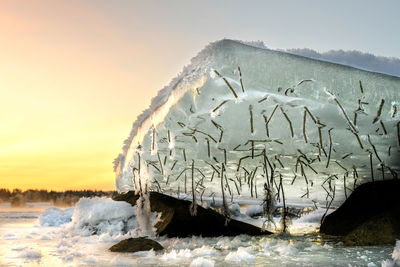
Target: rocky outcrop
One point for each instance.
(176, 220)
(370, 216)
(136, 244)
(379, 230)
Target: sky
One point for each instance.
(74, 75)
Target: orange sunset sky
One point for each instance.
(74, 75)
(67, 74)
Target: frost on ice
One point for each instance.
(98, 216)
(55, 217)
(241, 121)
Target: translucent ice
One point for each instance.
(55, 217)
(240, 117)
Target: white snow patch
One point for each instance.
(201, 262)
(116, 261)
(314, 216)
(254, 209)
(103, 215)
(45, 237)
(174, 255)
(31, 254)
(55, 217)
(10, 236)
(240, 255)
(93, 211)
(18, 248)
(287, 250)
(90, 259)
(205, 251)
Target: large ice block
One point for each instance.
(241, 116)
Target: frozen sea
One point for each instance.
(42, 235)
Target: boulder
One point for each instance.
(379, 230)
(176, 220)
(135, 245)
(369, 216)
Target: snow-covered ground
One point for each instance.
(81, 235)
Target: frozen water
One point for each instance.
(240, 255)
(55, 216)
(92, 211)
(395, 256)
(201, 262)
(242, 113)
(396, 253)
(254, 209)
(68, 245)
(31, 254)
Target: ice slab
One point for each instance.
(250, 115)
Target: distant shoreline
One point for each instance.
(19, 198)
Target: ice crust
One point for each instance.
(70, 245)
(201, 262)
(395, 262)
(103, 215)
(241, 254)
(30, 253)
(55, 217)
(197, 118)
(95, 215)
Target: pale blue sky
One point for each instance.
(176, 30)
(369, 26)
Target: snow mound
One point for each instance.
(253, 210)
(176, 255)
(103, 215)
(205, 251)
(116, 261)
(55, 217)
(201, 262)
(314, 216)
(31, 253)
(241, 254)
(10, 236)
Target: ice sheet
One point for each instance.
(33, 244)
(214, 114)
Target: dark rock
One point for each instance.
(383, 229)
(176, 220)
(372, 207)
(135, 245)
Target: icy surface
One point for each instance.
(102, 214)
(201, 262)
(68, 245)
(321, 126)
(395, 262)
(55, 216)
(241, 254)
